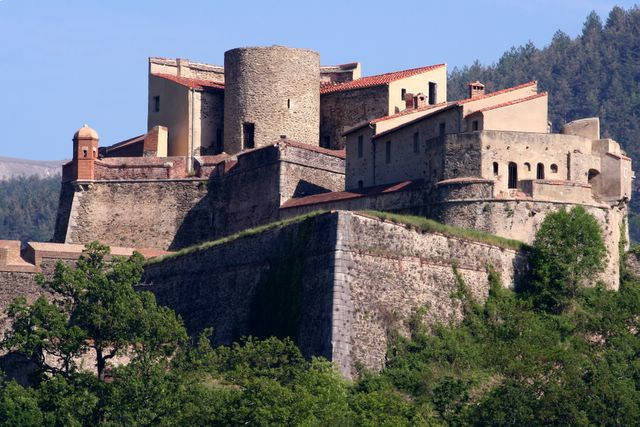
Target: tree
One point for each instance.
(568, 250)
(96, 313)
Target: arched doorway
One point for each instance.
(513, 175)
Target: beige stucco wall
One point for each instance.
(527, 116)
(174, 113)
(209, 116)
(418, 83)
(390, 123)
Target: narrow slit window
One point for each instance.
(495, 168)
(289, 103)
(403, 92)
(156, 104)
(248, 133)
(416, 138)
(360, 149)
(540, 171)
(513, 175)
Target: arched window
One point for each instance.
(513, 175)
(495, 168)
(528, 166)
(554, 168)
(540, 171)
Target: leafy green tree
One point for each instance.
(96, 314)
(567, 251)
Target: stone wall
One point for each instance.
(338, 283)
(344, 109)
(159, 214)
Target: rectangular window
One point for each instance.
(416, 137)
(219, 145)
(156, 104)
(442, 129)
(387, 158)
(248, 131)
(433, 93)
(403, 92)
(359, 146)
(475, 125)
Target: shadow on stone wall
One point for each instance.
(198, 224)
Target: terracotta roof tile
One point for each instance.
(377, 80)
(199, 84)
(410, 111)
(347, 195)
(512, 102)
(499, 92)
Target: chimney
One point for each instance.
(476, 89)
(419, 101)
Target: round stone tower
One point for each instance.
(270, 92)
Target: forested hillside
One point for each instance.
(595, 74)
(28, 208)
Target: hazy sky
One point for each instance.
(66, 63)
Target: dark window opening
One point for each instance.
(218, 146)
(433, 93)
(360, 185)
(554, 168)
(326, 140)
(387, 158)
(360, 146)
(416, 138)
(403, 92)
(474, 125)
(442, 129)
(513, 175)
(528, 166)
(156, 104)
(84, 152)
(540, 171)
(288, 103)
(248, 132)
(495, 168)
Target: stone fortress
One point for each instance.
(272, 135)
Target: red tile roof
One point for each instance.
(499, 92)
(409, 111)
(378, 80)
(336, 196)
(199, 84)
(512, 102)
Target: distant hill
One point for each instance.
(11, 167)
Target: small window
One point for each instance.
(416, 137)
(85, 151)
(433, 93)
(495, 168)
(403, 92)
(360, 185)
(474, 125)
(219, 141)
(540, 171)
(388, 152)
(513, 175)
(248, 132)
(360, 146)
(289, 103)
(326, 140)
(527, 166)
(442, 129)
(554, 168)
(156, 104)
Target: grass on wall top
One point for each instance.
(428, 225)
(415, 222)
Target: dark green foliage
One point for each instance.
(28, 208)
(567, 251)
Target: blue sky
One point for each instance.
(64, 63)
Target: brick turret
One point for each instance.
(85, 153)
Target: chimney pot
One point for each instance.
(476, 89)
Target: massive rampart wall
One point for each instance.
(338, 283)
